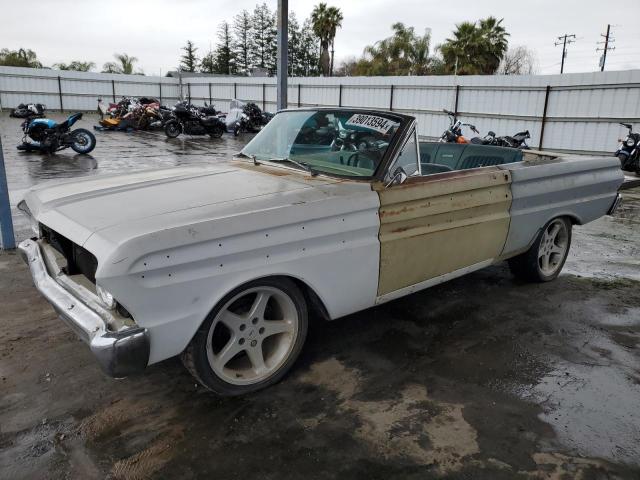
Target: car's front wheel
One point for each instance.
(250, 339)
(545, 259)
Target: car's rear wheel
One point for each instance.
(545, 259)
(251, 339)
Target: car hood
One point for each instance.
(120, 205)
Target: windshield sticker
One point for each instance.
(373, 122)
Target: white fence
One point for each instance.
(572, 112)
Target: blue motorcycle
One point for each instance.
(46, 135)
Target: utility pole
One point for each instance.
(607, 40)
(566, 39)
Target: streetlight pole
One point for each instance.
(7, 238)
(282, 71)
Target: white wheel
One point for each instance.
(251, 339)
(545, 258)
(252, 335)
(553, 247)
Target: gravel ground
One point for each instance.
(482, 377)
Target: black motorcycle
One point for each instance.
(48, 136)
(627, 151)
(246, 117)
(33, 110)
(519, 140)
(188, 120)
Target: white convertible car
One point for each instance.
(326, 210)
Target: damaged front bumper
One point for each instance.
(120, 350)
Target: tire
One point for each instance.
(233, 352)
(623, 161)
(82, 141)
(172, 129)
(217, 132)
(543, 262)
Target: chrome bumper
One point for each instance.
(615, 205)
(119, 353)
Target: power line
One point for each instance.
(607, 40)
(566, 39)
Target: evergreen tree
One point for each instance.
(309, 50)
(262, 39)
(224, 57)
(189, 61)
(241, 42)
(295, 42)
(208, 63)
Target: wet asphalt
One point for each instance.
(483, 377)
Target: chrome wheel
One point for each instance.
(553, 247)
(252, 335)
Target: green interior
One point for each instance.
(446, 157)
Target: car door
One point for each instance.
(436, 227)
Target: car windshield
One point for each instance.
(333, 142)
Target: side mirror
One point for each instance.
(491, 133)
(399, 176)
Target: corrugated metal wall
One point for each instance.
(582, 110)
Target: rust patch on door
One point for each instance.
(433, 225)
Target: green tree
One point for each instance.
(403, 53)
(224, 57)
(208, 63)
(242, 42)
(262, 40)
(294, 52)
(189, 61)
(19, 58)
(476, 48)
(326, 21)
(309, 56)
(124, 65)
(495, 42)
(75, 65)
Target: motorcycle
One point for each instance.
(246, 117)
(49, 136)
(519, 140)
(454, 133)
(29, 110)
(627, 151)
(188, 120)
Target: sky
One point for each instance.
(155, 30)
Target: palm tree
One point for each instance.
(125, 65)
(495, 37)
(335, 21)
(476, 48)
(460, 53)
(404, 53)
(326, 21)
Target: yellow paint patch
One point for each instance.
(434, 225)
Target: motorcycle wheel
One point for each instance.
(216, 132)
(172, 129)
(82, 141)
(623, 161)
(236, 130)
